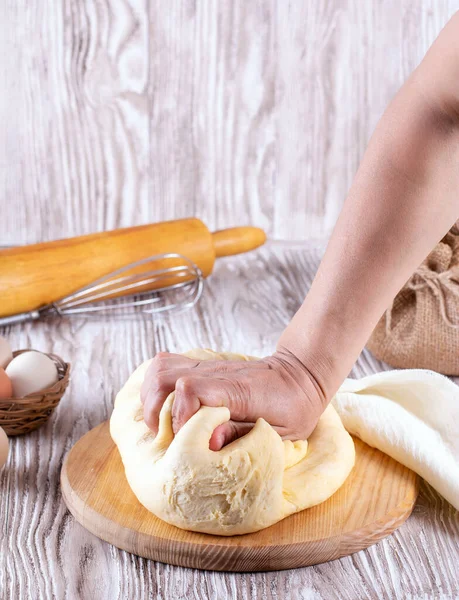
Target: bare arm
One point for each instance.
(404, 198)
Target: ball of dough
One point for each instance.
(248, 485)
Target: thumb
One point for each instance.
(228, 432)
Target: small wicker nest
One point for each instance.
(21, 415)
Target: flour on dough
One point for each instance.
(250, 484)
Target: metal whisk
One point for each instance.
(174, 288)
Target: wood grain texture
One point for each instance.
(376, 498)
(74, 116)
(123, 112)
(120, 113)
(45, 553)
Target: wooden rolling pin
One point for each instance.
(35, 275)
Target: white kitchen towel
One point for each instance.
(411, 415)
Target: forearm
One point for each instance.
(404, 198)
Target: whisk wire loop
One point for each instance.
(167, 289)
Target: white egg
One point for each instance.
(5, 352)
(31, 372)
(3, 447)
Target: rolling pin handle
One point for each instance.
(236, 240)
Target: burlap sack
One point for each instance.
(421, 328)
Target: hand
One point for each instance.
(278, 388)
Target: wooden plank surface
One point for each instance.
(43, 548)
(118, 113)
(123, 112)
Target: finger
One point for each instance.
(153, 394)
(151, 415)
(166, 368)
(228, 432)
(157, 364)
(193, 391)
(232, 430)
(165, 361)
(155, 391)
(169, 360)
(158, 384)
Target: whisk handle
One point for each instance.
(236, 240)
(20, 318)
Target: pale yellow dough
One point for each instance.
(250, 484)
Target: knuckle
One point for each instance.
(154, 390)
(185, 387)
(160, 361)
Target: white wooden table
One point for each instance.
(131, 111)
(45, 554)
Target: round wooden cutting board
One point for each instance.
(377, 497)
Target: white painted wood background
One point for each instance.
(124, 112)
